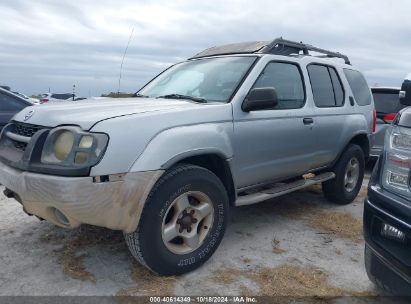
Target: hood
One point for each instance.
(86, 113)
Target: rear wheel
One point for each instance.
(349, 174)
(183, 221)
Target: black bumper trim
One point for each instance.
(384, 254)
(387, 214)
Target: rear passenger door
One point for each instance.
(329, 100)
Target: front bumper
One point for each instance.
(389, 260)
(71, 201)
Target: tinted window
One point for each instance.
(359, 87)
(338, 89)
(61, 96)
(9, 104)
(321, 86)
(287, 81)
(387, 102)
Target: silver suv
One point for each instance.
(231, 126)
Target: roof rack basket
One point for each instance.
(281, 46)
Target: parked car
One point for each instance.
(387, 209)
(51, 97)
(405, 89)
(10, 104)
(30, 99)
(387, 105)
(233, 125)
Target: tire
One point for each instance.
(337, 190)
(180, 199)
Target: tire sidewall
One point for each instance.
(157, 256)
(352, 151)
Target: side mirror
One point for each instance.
(260, 99)
(405, 93)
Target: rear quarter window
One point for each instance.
(359, 87)
(387, 101)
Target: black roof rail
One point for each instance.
(278, 46)
(282, 46)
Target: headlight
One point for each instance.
(63, 145)
(72, 147)
(397, 154)
(401, 141)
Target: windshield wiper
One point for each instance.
(180, 96)
(139, 95)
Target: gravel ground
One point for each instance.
(297, 245)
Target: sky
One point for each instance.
(53, 45)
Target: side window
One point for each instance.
(287, 81)
(61, 96)
(9, 104)
(359, 87)
(326, 86)
(338, 89)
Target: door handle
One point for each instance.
(308, 121)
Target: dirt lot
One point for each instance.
(298, 245)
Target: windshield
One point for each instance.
(388, 102)
(212, 79)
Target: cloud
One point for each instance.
(55, 44)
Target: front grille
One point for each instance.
(25, 130)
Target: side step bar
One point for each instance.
(281, 189)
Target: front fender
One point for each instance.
(173, 145)
(161, 135)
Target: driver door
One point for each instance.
(275, 144)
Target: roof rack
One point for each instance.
(281, 46)
(278, 46)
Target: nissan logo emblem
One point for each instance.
(28, 115)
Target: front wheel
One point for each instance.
(183, 221)
(349, 174)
